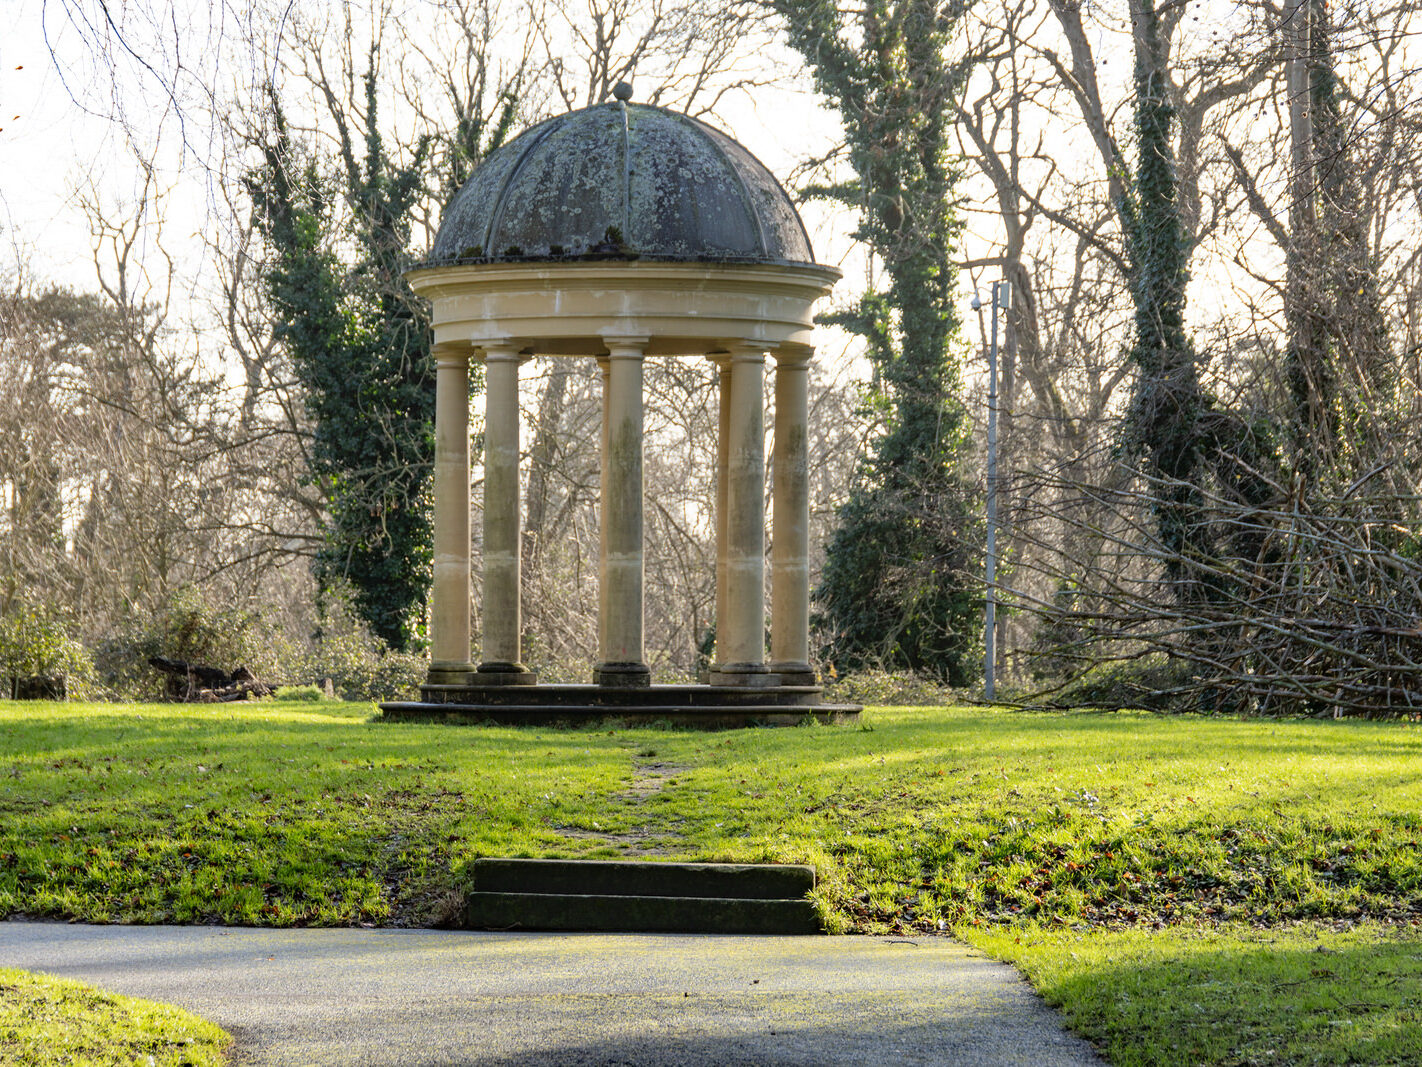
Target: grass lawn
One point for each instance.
(1288, 995)
(47, 1020)
(1165, 846)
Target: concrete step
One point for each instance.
(638, 914)
(742, 881)
(641, 897)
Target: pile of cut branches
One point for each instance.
(1309, 605)
(192, 683)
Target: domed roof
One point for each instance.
(625, 181)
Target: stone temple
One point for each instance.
(624, 232)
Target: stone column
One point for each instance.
(604, 366)
(723, 467)
(502, 620)
(623, 662)
(449, 597)
(790, 545)
(742, 653)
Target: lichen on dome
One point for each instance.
(621, 181)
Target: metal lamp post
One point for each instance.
(1001, 298)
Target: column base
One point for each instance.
(795, 673)
(446, 673)
(504, 674)
(750, 675)
(622, 675)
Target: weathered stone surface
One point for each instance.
(622, 181)
(623, 231)
(693, 718)
(697, 706)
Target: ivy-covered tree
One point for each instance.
(359, 344)
(1339, 368)
(1169, 404)
(1187, 441)
(895, 588)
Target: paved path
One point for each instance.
(413, 997)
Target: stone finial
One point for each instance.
(623, 91)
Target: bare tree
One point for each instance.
(1252, 205)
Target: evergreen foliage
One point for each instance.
(894, 591)
(360, 344)
(37, 644)
(1193, 447)
(1169, 404)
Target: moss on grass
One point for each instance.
(265, 814)
(46, 1020)
(1053, 827)
(312, 814)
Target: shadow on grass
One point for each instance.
(280, 815)
(1290, 996)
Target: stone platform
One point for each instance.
(703, 706)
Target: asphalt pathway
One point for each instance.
(425, 997)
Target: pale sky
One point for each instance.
(52, 152)
(48, 147)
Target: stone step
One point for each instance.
(694, 716)
(616, 698)
(638, 914)
(634, 878)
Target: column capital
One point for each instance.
(453, 356)
(793, 358)
(623, 347)
(750, 351)
(494, 351)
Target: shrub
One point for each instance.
(360, 665)
(189, 628)
(899, 688)
(299, 694)
(1154, 682)
(36, 647)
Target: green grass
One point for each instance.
(47, 1020)
(265, 814)
(1233, 996)
(977, 821)
(285, 814)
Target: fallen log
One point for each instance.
(192, 683)
(244, 686)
